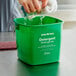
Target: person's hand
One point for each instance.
(33, 5)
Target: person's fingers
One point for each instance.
(44, 3)
(31, 6)
(20, 1)
(37, 5)
(26, 7)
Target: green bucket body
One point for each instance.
(38, 41)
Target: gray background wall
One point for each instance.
(66, 1)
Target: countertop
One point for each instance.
(10, 65)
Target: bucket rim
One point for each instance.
(61, 21)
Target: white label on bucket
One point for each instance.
(47, 43)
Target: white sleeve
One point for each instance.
(16, 9)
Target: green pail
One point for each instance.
(38, 39)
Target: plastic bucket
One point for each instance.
(38, 39)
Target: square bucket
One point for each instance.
(38, 39)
